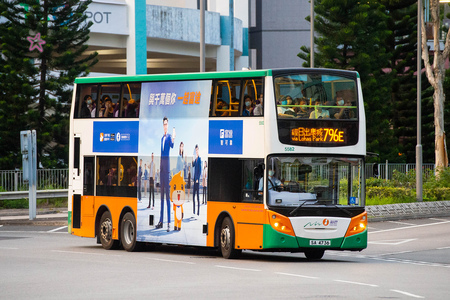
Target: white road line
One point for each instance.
(9, 248)
(391, 242)
(79, 252)
(408, 294)
(24, 231)
(402, 223)
(296, 275)
(354, 282)
(411, 262)
(57, 229)
(173, 261)
(436, 219)
(442, 248)
(409, 227)
(241, 269)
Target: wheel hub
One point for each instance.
(225, 240)
(106, 230)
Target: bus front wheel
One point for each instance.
(314, 254)
(227, 238)
(128, 232)
(105, 232)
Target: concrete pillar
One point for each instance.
(137, 38)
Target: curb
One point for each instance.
(41, 222)
(405, 211)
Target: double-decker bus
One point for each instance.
(263, 160)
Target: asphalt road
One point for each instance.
(404, 260)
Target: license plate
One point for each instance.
(320, 243)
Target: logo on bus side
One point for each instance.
(115, 136)
(225, 137)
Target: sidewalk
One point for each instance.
(376, 213)
(44, 217)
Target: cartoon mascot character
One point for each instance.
(177, 194)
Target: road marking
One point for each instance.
(24, 231)
(173, 261)
(391, 242)
(79, 252)
(442, 248)
(436, 219)
(401, 223)
(354, 282)
(296, 275)
(411, 262)
(408, 294)
(241, 269)
(409, 227)
(57, 229)
(9, 248)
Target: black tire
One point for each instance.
(105, 232)
(128, 232)
(314, 254)
(227, 238)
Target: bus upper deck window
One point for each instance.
(85, 101)
(129, 106)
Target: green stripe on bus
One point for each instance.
(357, 241)
(275, 239)
(177, 76)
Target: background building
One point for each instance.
(277, 31)
(138, 36)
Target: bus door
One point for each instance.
(76, 171)
(88, 176)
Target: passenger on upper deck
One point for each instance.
(87, 107)
(258, 111)
(108, 112)
(344, 112)
(303, 111)
(131, 108)
(285, 109)
(222, 108)
(248, 106)
(319, 112)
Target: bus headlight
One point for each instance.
(280, 223)
(357, 225)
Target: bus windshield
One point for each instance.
(300, 180)
(316, 96)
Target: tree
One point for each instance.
(435, 73)
(351, 35)
(402, 43)
(42, 44)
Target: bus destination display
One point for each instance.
(321, 135)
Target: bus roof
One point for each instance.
(198, 75)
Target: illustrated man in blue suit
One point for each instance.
(197, 164)
(167, 142)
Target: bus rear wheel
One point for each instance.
(105, 232)
(128, 232)
(314, 254)
(227, 238)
